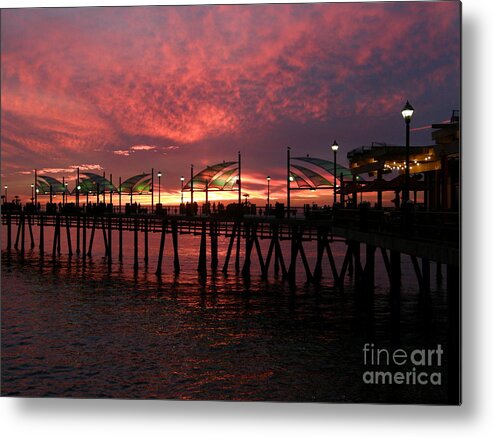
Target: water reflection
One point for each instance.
(75, 326)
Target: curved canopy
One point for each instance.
(132, 183)
(315, 178)
(225, 181)
(328, 166)
(143, 186)
(100, 182)
(45, 184)
(216, 177)
(300, 181)
(87, 186)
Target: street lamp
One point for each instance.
(407, 114)
(159, 174)
(6, 192)
(182, 179)
(335, 146)
(32, 192)
(268, 193)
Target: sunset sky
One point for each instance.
(122, 90)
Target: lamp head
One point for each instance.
(268, 178)
(407, 111)
(335, 146)
(159, 174)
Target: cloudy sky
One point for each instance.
(122, 90)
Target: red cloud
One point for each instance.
(76, 81)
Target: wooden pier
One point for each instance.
(425, 237)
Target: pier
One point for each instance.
(427, 238)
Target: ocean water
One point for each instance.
(88, 329)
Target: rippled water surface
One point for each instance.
(79, 329)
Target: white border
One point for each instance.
(58, 417)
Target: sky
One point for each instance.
(123, 90)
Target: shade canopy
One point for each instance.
(221, 176)
(328, 166)
(135, 184)
(316, 179)
(47, 184)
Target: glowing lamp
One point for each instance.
(407, 112)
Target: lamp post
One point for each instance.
(335, 146)
(407, 114)
(77, 193)
(268, 195)
(6, 193)
(191, 185)
(32, 193)
(159, 174)
(182, 179)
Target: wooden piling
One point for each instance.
(91, 240)
(110, 239)
(161, 248)
(213, 237)
(69, 237)
(120, 239)
(358, 270)
(174, 235)
(248, 250)
(345, 265)
(230, 247)
(84, 237)
(59, 242)
(301, 250)
(55, 236)
(77, 249)
(105, 237)
(238, 247)
(294, 253)
(30, 231)
(41, 235)
(297, 248)
(18, 236)
(136, 244)
(259, 252)
(202, 266)
(23, 238)
(386, 261)
(146, 241)
(333, 268)
(317, 272)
